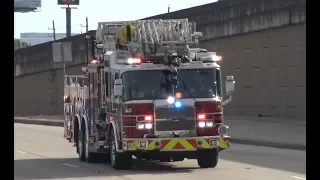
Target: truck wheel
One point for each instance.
(80, 146)
(118, 160)
(89, 157)
(106, 158)
(208, 159)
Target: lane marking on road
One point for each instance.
(297, 177)
(70, 165)
(20, 151)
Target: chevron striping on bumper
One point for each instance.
(175, 144)
(186, 144)
(223, 144)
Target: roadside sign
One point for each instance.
(61, 51)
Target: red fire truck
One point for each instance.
(147, 93)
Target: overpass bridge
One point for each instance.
(262, 41)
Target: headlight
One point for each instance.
(140, 126)
(143, 126)
(148, 126)
(202, 124)
(209, 124)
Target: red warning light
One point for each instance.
(148, 118)
(94, 61)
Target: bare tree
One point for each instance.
(18, 44)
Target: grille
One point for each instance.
(173, 119)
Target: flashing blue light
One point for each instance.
(177, 104)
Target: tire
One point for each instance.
(118, 160)
(80, 146)
(76, 140)
(208, 159)
(106, 158)
(89, 157)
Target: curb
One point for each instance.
(282, 145)
(39, 122)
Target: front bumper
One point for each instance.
(176, 144)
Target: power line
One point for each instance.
(60, 27)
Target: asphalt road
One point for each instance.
(40, 152)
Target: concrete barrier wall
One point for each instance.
(232, 17)
(39, 58)
(262, 41)
(41, 93)
(270, 71)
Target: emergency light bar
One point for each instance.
(134, 61)
(199, 58)
(207, 57)
(129, 61)
(198, 54)
(216, 58)
(139, 61)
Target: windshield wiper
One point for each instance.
(156, 95)
(158, 91)
(185, 87)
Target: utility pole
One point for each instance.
(87, 38)
(168, 8)
(54, 30)
(87, 25)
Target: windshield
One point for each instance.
(193, 83)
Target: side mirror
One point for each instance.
(99, 46)
(197, 35)
(117, 88)
(229, 84)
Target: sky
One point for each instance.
(96, 11)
